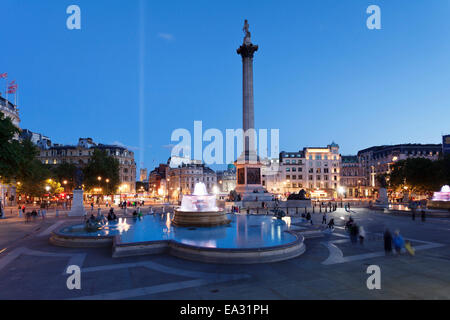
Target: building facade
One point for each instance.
(227, 179)
(41, 141)
(379, 159)
(80, 154)
(446, 144)
(314, 169)
(157, 178)
(10, 110)
(143, 175)
(271, 176)
(352, 178)
(8, 191)
(182, 179)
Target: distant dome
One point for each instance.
(334, 144)
(231, 166)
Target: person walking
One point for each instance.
(399, 242)
(387, 241)
(423, 214)
(308, 218)
(362, 235)
(331, 224)
(324, 218)
(354, 233)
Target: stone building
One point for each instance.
(8, 191)
(41, 141)
(143, 175)
(157, 178)
(446, 144)
(315, 169)
(81, 153)
(271, 176)
(379, 159)
(227, 179)
(352, 178)
(182, 179)
(10, 110)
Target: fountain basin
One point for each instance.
(200, 219)
(247, 239)
(441, 200)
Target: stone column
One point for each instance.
(247, 50)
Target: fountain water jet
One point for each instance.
(199, 210)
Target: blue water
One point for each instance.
(244, 231)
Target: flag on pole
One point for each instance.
(12, 87)
(3, 75)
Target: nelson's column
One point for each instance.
(248, 166)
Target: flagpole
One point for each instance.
(6, 92)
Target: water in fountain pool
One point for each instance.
(244, 231)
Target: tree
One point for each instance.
(10, 155)
(419, 175)
(141, 186)
(31, 174)
(105, 167)
(65, 172)
(442, 167)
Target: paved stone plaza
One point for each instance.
(331, 267)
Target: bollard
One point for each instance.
(257, 210)
(306, 211)
(314, 208)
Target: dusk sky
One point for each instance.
(320, 74)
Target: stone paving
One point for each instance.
(331, 267)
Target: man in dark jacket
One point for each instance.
(387, 241)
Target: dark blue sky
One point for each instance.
(320, 74)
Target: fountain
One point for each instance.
(199, 210)
(441, 199)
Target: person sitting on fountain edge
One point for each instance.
(111, 215)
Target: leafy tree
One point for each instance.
(31, 174)
(10, 155)
(104, 166)
(140, 184)
(65, 172)
(442, 167)
(381, 179)
(419, 175)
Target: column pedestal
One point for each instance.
(77, 209)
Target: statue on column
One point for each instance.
(247, 38)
